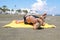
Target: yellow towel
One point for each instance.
(13, 24)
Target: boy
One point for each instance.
(34, 20)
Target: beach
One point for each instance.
(29, 34)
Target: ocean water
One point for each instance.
(54, 15)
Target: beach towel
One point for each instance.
(13, 24)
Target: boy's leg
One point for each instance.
(42, 22)
(43, 16)
(36, 25)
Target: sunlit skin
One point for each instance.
(31, 19)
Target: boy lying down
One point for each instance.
(34, 20)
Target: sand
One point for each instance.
(29, 34)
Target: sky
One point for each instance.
(50, 6)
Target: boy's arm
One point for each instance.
(19, 21)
